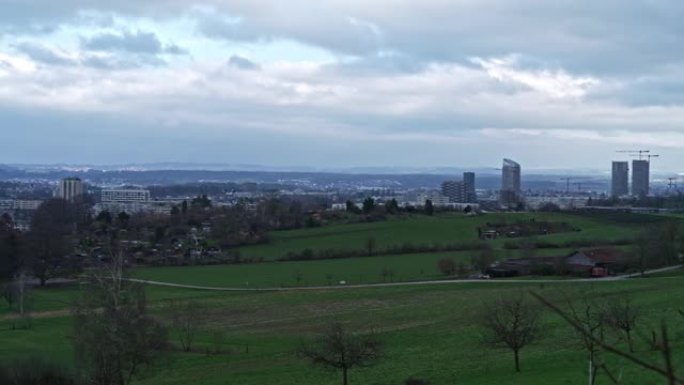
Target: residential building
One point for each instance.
(462, 191)
(620, 179)
(435, 197)
(563, 202)
(469, 181)
(69, 189)
(454, 190)
(125, 195)
(151, 207)
(510, 183)
(13, 204)
(640, 177)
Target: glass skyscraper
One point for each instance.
(510, 182)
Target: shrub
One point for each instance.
(34, 371)
(446, 266)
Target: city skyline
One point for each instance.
(230, 82)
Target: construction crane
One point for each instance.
(579, 184)
(639, 152)
(649, 156)
(567, 184)
(672, 184)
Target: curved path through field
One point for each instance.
(66, 312)
(408, 283)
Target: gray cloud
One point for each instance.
(579, 35)
(242, 63)
(117, 63)
(336, 32)
(42, 54)
(173, 49)
(135, 42)
(138, 42)
(554, 73)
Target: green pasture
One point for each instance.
(418, 229)
(443, 229)
(408, 267)
(429, 332)
(362, 270)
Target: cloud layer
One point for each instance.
(342, 83)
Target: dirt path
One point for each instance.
(66, 312)
(412, 283)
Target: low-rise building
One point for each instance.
(14, 204)
(125, 195)
(597, 262)
(151, 207)
(563, 202)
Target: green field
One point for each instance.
(446, 228)
(428, 331)
(364, 270)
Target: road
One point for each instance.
(410, 283)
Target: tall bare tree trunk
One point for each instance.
(517, 360)
(21, 294)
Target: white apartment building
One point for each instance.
(435, 197)
(13, 204)
(151, 207)
(125, 195)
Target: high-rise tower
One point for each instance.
(69, 189)
(640, 177)
(469, 182)
(620, 179)
(510, 182)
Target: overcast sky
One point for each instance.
(341, 83)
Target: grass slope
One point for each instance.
(408, 267)
(429, 332)
(445, 228)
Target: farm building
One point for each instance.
(524, 266)
(598, 262)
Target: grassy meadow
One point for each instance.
(445, 228)
(420, 229)
(428, 331)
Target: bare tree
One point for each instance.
(446, 266)
(591, 317)
(663, 345)
(510, 322)
(387, 273)
(484, 258)
(371, 245)
(337, 348)
(49, 239)
(11, 249)
(186, 319)
(298, 277)
(622, 315)
(113, 335)
(641, 252)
